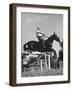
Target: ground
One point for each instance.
(50, 72)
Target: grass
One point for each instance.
(44, 72)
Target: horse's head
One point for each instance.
(54, 37)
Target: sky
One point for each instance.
(48, 24)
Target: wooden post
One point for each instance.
(41, 65)
(38, 65)
(49, 65)
(46, 66)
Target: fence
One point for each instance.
(40, 64)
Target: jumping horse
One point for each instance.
(39, 46)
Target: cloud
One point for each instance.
(34, 19)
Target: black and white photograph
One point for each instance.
(41, 44)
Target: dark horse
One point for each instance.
(41, 46)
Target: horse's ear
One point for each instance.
(54, 33)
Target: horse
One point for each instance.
(40, 45)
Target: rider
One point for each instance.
(40, 36)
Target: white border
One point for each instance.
(63, 77)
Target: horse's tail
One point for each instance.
(25, 47)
